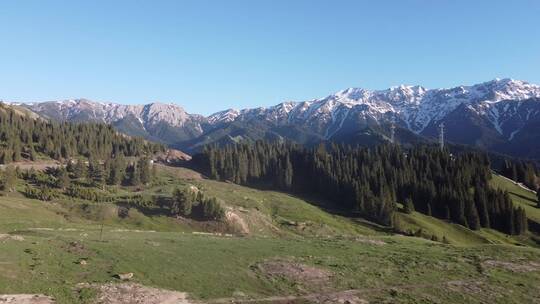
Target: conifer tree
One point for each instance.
(79, 170)
(9, 179)
(96, 174)
(134, 178)
(116, 171)
(368, 182)
(182, 202)
(408, 206)
(143, 169)
(62, 180)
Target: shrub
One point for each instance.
(212, 209)
(42, 193)
(87, 194)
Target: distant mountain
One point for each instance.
(502, 115)
(167, 123)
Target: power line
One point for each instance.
(441, 135)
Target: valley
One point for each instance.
(44, 243)
(269, 152)
(88, 215)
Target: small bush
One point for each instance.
(42, 193)
(87, 194)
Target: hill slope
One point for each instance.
(43, 245)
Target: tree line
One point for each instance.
(87, 181)
(523, 172)
(370, 181)
(22, 136)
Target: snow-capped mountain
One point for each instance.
(412, 106)
(149, 114)
(491, 115)
(168, 123)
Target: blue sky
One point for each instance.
(211, 55)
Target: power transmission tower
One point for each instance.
(441, 135)
(393, 130)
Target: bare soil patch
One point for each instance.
(36, 165)
(237, 222)
(370, 241)
(10, 237)
(26, 299)
(517, 266)
(172, 156)
(339, 298)
(466, 286)
(131, 293)
(301, 274)
(76, 248)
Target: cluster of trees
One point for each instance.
(369, 182)
(41, 193)
(193, 203)
(24, 137)
(114, 171)
(80, 179)
(522, 172)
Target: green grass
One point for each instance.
(520, 196)
(284, 210)
(214, 267)
(454, 234)
(385, 268)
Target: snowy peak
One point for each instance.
(223, 116)
(84, 109)
(504, 106)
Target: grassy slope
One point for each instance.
(267, 213)
(455, 234)
(397, 269)
(520, 196)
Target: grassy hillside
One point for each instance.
(380, 268)
(519, 195)
(287, 251)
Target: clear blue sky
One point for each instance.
(212, 55)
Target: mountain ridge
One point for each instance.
(499, 109)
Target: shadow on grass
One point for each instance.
(523, 197)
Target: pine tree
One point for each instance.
(79, 171)
(212, 209)
(116, 171)
(134, 178)
(96, 174)
(9, 179)
(6, 157)
(154, 173)
(408, 206)
(62, 180)
(473, 221)
(182, 202)
(143, 168)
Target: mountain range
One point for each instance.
(502, 115)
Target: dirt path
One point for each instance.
(344, 296)
(131, 293)
(519, 184)
(37, 165)
(26, 299)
